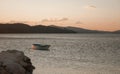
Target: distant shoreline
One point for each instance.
(21, 28)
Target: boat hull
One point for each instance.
(40, 47)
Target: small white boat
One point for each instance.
(40, 47)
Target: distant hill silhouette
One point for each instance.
(118, 32)
(24, 28)
(82, 30)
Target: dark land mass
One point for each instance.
(117, 32)
(82, 30)
(25, 28)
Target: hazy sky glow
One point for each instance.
(91, 14)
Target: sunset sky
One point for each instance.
(90, 14)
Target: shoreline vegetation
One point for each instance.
(12, 28)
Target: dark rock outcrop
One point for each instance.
(15, 62)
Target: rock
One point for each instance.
(15, 62)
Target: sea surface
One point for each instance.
(69, 53)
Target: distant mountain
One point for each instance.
(118, 31)
(50, 29)
(82, 30)
(14, 28)
(24, 28)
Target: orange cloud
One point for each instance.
(78, 22)
(55, 20)
(64, 19)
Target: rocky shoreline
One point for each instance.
(15, 62)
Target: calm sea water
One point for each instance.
(67, 50)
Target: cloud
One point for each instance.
(90, 7)
(78, 22)
(64, 19)
(45, 20)
(55, 20)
